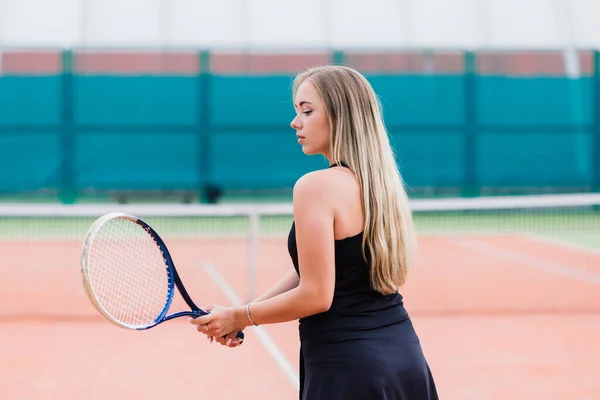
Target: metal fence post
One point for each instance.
(338, 57)
(470, 184)
(67, 191)
(596, 123)
(206, 191)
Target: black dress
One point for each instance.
(364, 347)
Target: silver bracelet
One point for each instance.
(249, 316)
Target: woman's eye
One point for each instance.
(307, 112)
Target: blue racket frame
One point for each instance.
(173, 279)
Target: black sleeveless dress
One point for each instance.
(364, 347)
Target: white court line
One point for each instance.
(561, 243)
(263, 336)
(520, 258)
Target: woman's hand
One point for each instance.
(222, 321)
(230, 340)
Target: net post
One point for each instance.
(254, 219)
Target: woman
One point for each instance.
(351, 243)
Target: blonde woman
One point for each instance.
(351, 244)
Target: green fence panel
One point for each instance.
(248, 102)
(234, 131)
(534, 159)
(30, 161)
(259, 160)
(30, 101)
(148, 160)
(513, 101)
(436, 101)
(130, 101)
(432, 158)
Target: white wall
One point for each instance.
(300, 24)
(39, 22)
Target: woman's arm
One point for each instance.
(314, 219)
(313, 216)
(287, 283)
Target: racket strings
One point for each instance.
(128, 273)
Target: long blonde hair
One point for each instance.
(360, 140)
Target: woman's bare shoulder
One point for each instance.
(325, 182)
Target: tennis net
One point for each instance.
(496, 255)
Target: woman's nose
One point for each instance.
(295, 124)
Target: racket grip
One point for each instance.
(240, 335)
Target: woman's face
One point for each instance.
(311, 122)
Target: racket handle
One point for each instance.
(240, 335)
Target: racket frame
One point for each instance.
(173, 277)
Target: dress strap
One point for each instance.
(340, 164)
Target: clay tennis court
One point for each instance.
(503, 310)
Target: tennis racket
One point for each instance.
(129, 275)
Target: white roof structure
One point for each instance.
(307, 24)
